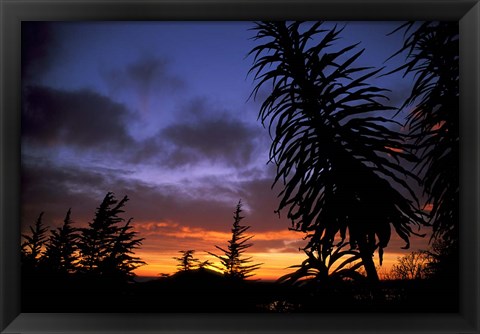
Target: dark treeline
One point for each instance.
(73, 266)
(90, 269)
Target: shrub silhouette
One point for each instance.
(412, 266)
(327, 268)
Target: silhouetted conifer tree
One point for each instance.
(233, 264)
(121, 261)
(61, 248)
(32, 247)
(106, 248)
(187, 261)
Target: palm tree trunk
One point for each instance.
(369, 266)
(372, 275)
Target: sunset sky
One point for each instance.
(159, 111)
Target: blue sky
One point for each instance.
(159, 111)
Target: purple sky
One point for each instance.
(158, 111)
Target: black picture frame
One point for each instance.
(13, 12)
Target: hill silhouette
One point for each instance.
(204, 290)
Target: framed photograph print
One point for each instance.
(239, 166)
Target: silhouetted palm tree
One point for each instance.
(340, 163)
(432, 53)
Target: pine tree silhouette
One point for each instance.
(97, 239)
(61, 249)
(33, 246)
(106, 248)
(187, 262)
(232, 263)
(121, 261)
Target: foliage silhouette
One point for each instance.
(335, 281)
(233, 264)
(432, 54)
(187, 261)
(121, 262)
(331, 276)
(105, 246)
(33, 246)
(340, 164)
(61, 249)
(414, 265)
(324, 269)
(443, 262)
(81, 270)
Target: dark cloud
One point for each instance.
(206, 133)
(147, 77)
(52, 191)
(55, 188)
(50, 187)
(151, 150)
(84, 120)
(40, 48)
(79, 119)
(216, 139)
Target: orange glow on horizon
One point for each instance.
(277, 250)
(274, 265)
